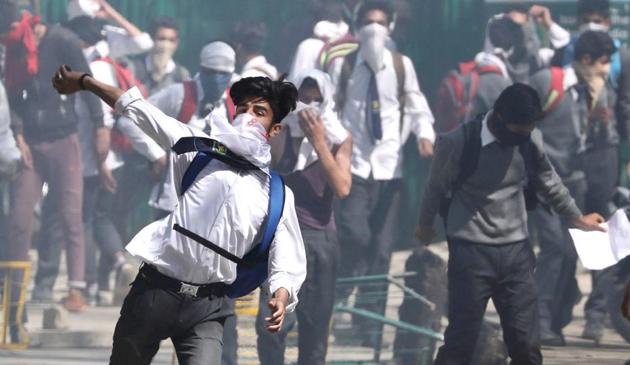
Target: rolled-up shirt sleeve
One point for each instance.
(287, 258)
(558, 36)
(417, 113)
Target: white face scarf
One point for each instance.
(161, 55)
(336, 134)
(372, 39)
(245, 136)
(597, 27)
(595, 76)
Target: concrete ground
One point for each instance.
(88, 338)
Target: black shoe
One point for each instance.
(593, 330)
(551, 339)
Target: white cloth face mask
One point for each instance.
(249, 127)
(597, 27)
(372, 39)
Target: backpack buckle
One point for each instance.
(188, 289)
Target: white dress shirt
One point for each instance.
(258, 66)
(383, 159)
(224, 205)
(169, 100)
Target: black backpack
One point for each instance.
(469, 160)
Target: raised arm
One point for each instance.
(130, 104)
(336, 163)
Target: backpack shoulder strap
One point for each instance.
(276, 207)
(346, 71)
(189, 104)
(556, 89)
(469, 159)
(198, 163)
(399, 67)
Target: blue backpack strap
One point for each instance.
(276, 206)
(255, 272)
(200, 161)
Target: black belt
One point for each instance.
(160, 280)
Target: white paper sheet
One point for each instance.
(599, 250)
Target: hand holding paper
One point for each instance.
(600, 249)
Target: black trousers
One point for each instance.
(314, 309)
(151, 314)
(368, 225)
(602, 175)
(558, 289)
(503, 273)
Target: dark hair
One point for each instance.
(251, 35)
(9, 11)
(519, 104)
(281, 95)
(309, 83)
(163, 22)
(504, 33)
(368, 5)
(588, 7)
(595, 44)
(89, 30)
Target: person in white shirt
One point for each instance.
(248, 39)
(381, 105)
(190, 102)
(122, 38)
(156, 69)
(224, 205)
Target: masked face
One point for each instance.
(249, 127)
(372, 39)
(595, 74)
(506, 136)
(213, 84)
(161, 55)
(595, 27)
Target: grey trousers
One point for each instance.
(314, 309)
(556, 263)
(504, 273)
(602, 174)
(151, 314)
(368, 225)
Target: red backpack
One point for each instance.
(126, 80)
(189, 105)
(457, 93)
(556, 90)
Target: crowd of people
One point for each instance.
(86, 174)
